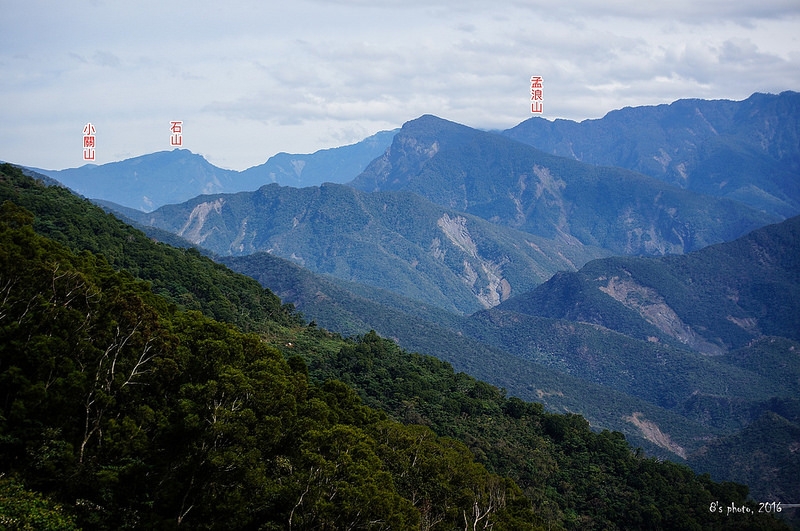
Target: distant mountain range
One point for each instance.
(512, 184)
(713, 335)
(241, 426)
(712, 301)
(335, 165)
(393, 240)
(744, 150)
(496, 256)
(167, 177)
(640, 377)
(149, 181)
(747, 151)
(460, 218)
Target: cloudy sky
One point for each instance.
(253, 78)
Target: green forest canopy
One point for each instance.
(123, 407)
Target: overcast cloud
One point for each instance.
(250, 79)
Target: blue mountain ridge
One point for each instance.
(746, 150)
(168, 177)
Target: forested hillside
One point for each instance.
(147, 416)
(124, 408)
(713, 300)
(421, 328)
(712, 335)
(675, 403)
(395, 240)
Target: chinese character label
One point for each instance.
(176, 138)
(88, 141)
(537, 94)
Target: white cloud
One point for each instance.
(250, 79)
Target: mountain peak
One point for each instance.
(746, 150)
(340, 164)
(417, 142)
(148, 181)
(513, 184)
(429, 124)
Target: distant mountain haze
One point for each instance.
(149, 181)
(460, 218)
(747, 151)
(335, 165)
(512, 184)
(744, 150)
(167, 177)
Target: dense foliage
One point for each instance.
(422, 328)
(142, 416)
(183, 276)
(573, 475)
(29, 511)
(119, 408)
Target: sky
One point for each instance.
(249, 79)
